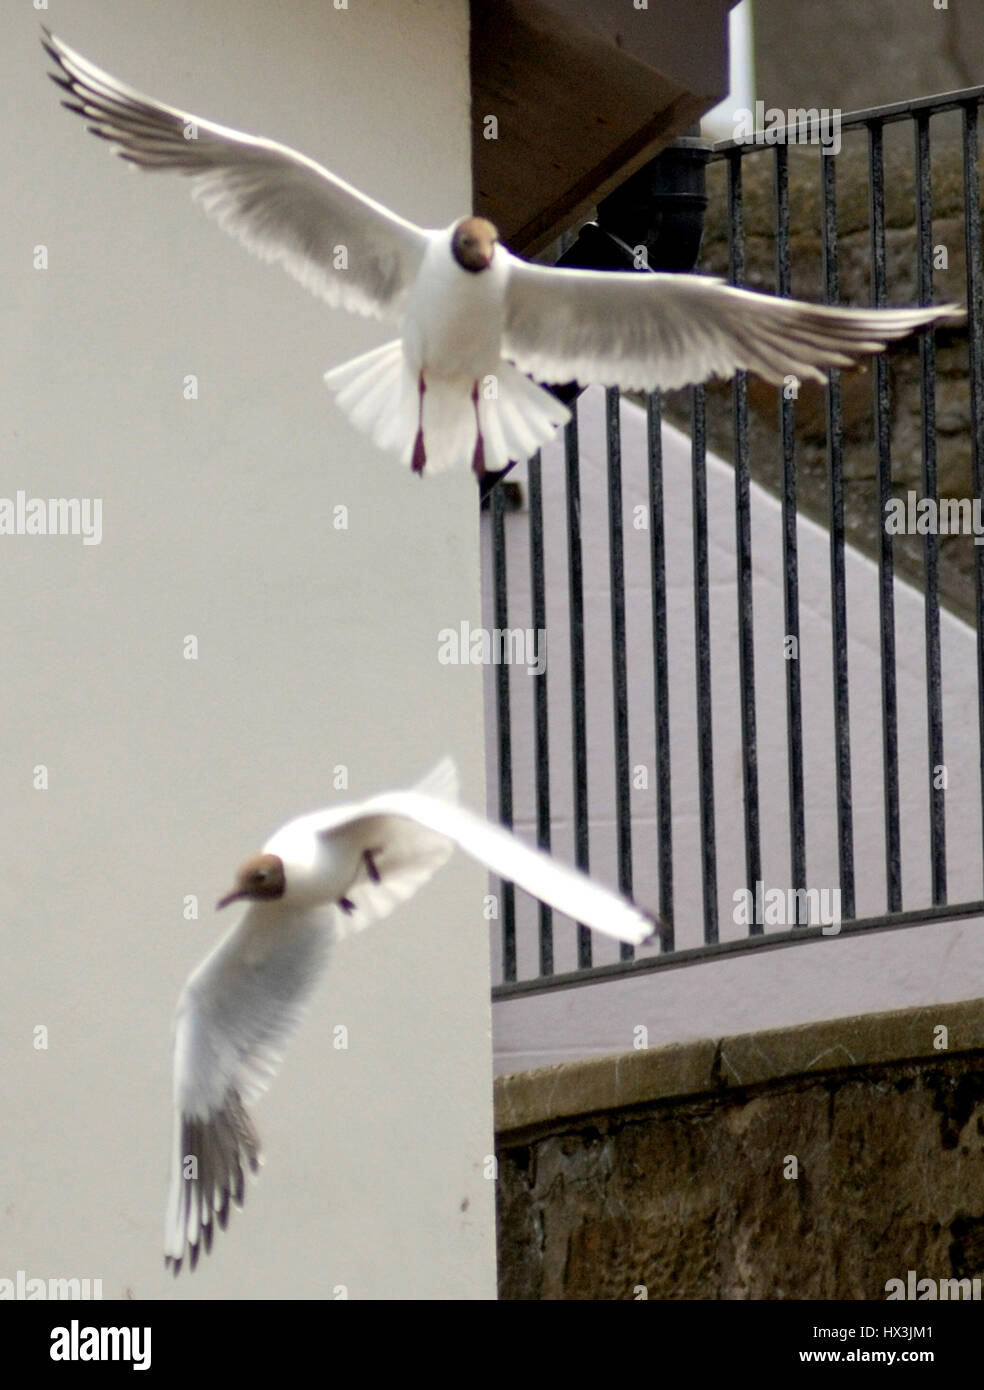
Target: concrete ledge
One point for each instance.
(536, 1101)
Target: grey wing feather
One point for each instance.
(234, 1018)
(644, 332)
(341, 245)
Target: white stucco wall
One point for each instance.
(317, 647)
(836, 977)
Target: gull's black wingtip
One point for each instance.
(48, 43)
(62, 77)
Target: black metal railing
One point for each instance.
(643, 853)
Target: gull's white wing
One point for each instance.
(281, 205)
(644, 332)
(412, 832)
(403, 853)
(234, 1018)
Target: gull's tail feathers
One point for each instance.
(517, 417)
(372, 391)
(450, 422)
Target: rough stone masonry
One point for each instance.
(814, 1162)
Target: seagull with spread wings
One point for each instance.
(475, 322)
(319, 879)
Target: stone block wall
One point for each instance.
(841, 53)
(815, 1162)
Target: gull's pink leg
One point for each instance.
(478, 458)
(419, 453)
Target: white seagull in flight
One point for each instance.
(475, 321)
(240, 1007)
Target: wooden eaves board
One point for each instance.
(579, 106)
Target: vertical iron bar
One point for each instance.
(975, 315)
(579, 737)
(702, 643)
(927, 364)
(620, 688)
(664, 805)
(503, 722)
(886, 564)
(790, 557)
(743, 552)
(838, 589)
(541, 723)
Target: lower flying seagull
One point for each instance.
(475, 321)
(241, 1005)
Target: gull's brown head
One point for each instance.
(473, 244)
(260, 879)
